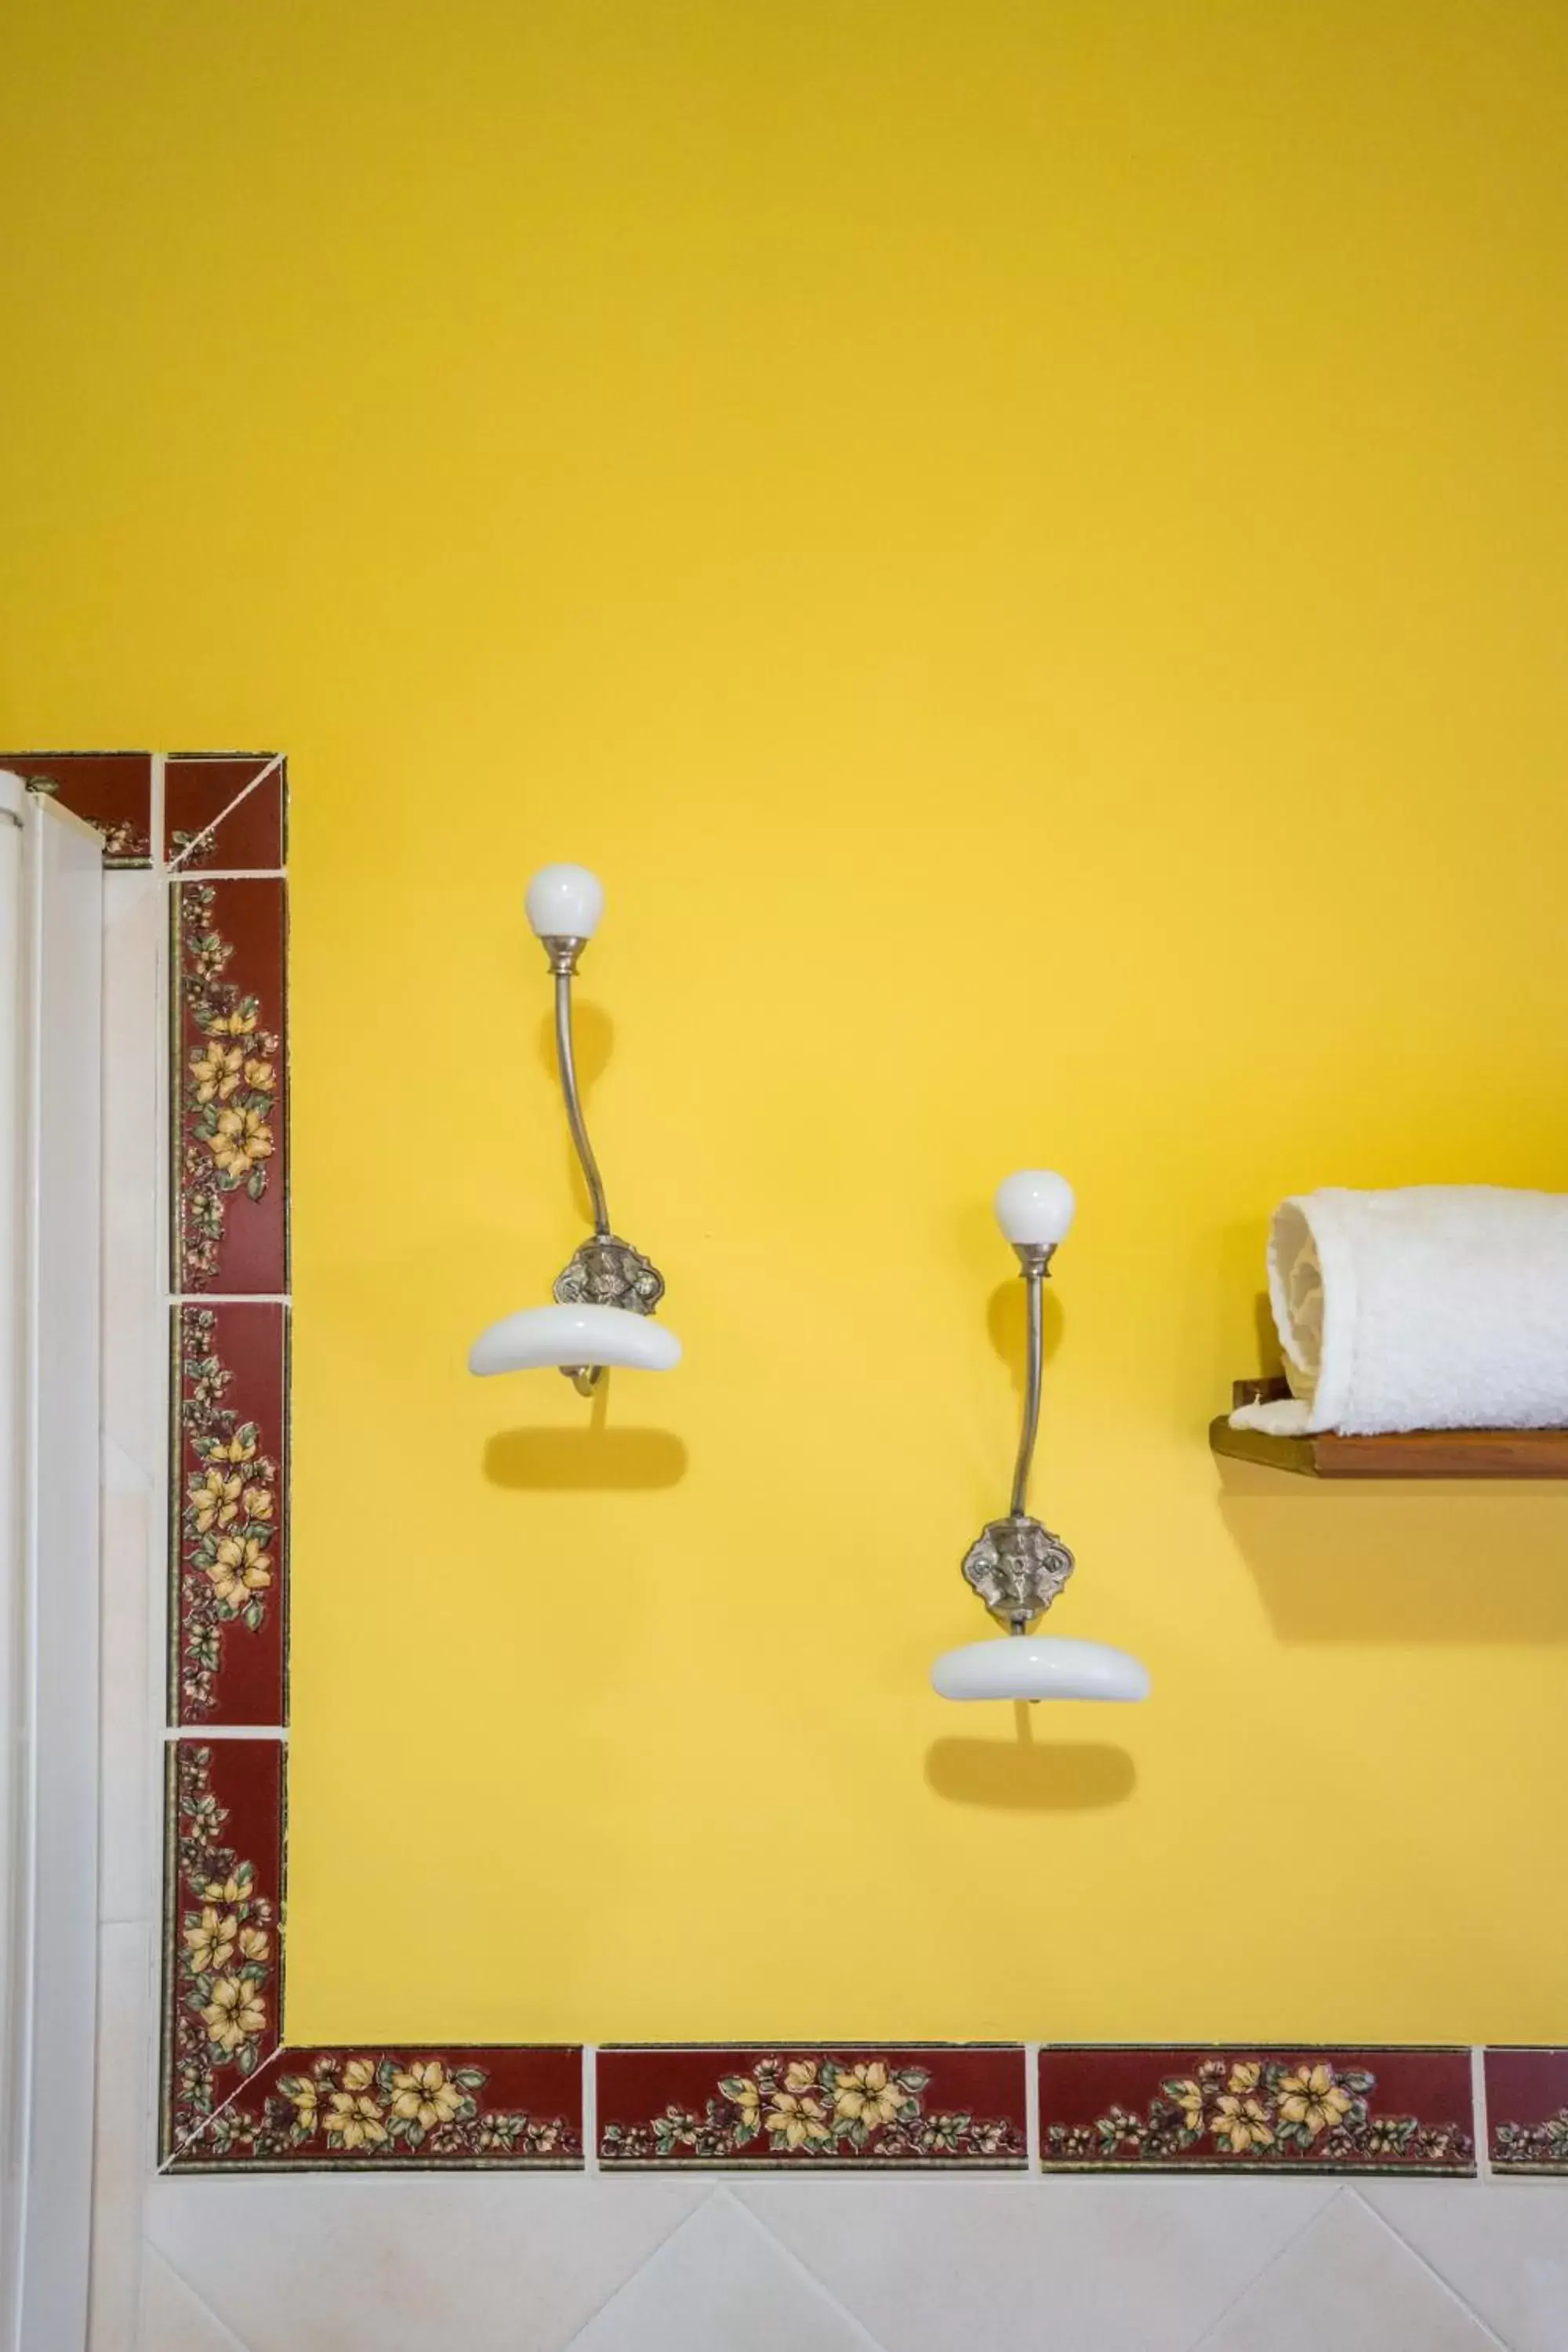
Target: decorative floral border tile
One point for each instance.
(229, 1502)
(113, 789)
(458, 2107)
(234, 2097)
(889, 2108)
(1256, 2109)
(230, 1175)
(223, 1960)
(1527, 2109)
(226, 812)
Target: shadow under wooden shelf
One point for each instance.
(1412, 1453)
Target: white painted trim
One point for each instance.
(54, 912)
(13, 1438)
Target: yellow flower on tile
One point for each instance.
(422, 2095)
(239, 1569)
(797, 2119)
(1245, 2076)
(235, 2013)
(259, 1501)
(217, 1071)
(215, 1500)
(233, 1889)
(748, 2099)
(354, 2122)
(1190, 2100)
(800, 2075)
(261, 1076)
(304, 2095)
(252, 1944)
(211, 1940)
(359, 2074)
(230, 1024)
(240, 1138)
(229, 1449)
(1311, 2096)
(1241, 2123)
(865, 2096)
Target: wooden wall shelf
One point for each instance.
(1414, 1453)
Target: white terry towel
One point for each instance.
(1435, 1307)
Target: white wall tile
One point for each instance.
(1111, 2265)
(122, 2139)
(493, 2262)
(175, 2320)
(723, 2284)
(1347, 2281)
(1502, 2245)
(129, 1742)
(133, 1147)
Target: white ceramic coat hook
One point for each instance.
(1016, 1565)
(606, 1298)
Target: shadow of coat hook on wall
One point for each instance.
(1016, 1565)
(606, 1298)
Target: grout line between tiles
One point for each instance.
(819, 2286)
(621, 2286)
(220, 2325)
(225, 1731)
(590, 2107)
(156, 807)
(162, 1548)
(1271, 2264)
(246, 2083)
(1479, 2122)
(1435, 2276)
(271, 768)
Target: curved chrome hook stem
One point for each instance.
(563, 954)
(1035, 1258)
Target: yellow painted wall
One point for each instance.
(1028, 542)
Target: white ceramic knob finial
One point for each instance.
(1034, 1206)
(564, 902)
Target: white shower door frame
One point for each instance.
(51, 1061)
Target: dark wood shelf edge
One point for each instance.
(1414, 1453)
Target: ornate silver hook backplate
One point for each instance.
(607, 1272)
(1018, 1566)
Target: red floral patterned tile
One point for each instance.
(1527, 2109)
(805, 2102)
(228, 1089)
(1247, 2108)
(228, 812)
(422, 2107)
(230, 1507)
(223, 1961)
(113, 789)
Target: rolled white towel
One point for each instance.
(1435, 1306)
